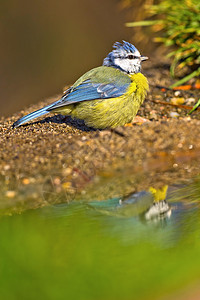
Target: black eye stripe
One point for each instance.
(131, 56)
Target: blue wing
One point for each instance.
(92, 85)
(88, 90)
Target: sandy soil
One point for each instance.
(57, 159)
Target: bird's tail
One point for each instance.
(33, 115)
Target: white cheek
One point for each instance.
(123, 63)
(118, 62)
(135, 62)
(128, 65)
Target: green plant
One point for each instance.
(179, 22)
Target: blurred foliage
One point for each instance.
(179, 23)
(194, 107)
(137, 11)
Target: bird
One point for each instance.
(107, 96)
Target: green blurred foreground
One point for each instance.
(93, 251)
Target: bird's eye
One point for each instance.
(131, 56)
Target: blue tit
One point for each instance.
(104, 97)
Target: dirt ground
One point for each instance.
(57, 159)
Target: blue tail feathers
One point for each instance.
(31, 116)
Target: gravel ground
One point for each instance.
(57, 159)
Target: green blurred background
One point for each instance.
(46, 44)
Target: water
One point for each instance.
(118, 248)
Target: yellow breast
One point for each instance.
(139, 86)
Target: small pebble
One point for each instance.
(25, 181)
(180, 145)
(67, 171)
(7, 167)
(66, 185)
(57, 181)
(153, 114)
(190, 101)
(177, 93)
(177, 101)
(10, 194)
(174, 114)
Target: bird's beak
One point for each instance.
(143, 58)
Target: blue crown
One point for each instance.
(124, 48)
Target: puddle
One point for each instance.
(144, 244)
(128, 232)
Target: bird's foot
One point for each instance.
(128, 125)
(137, 120)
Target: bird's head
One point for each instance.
(125, 57)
